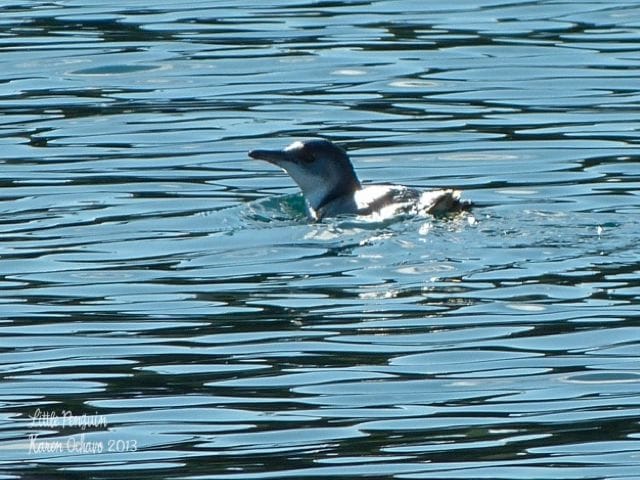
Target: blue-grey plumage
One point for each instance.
(331, 187)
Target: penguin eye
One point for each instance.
(307, 157)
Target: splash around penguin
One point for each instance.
(331, 187)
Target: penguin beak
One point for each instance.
(277, 157)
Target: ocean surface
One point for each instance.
(167, 311)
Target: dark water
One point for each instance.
(166, 312)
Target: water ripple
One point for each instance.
(166, 306)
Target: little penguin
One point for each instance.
(331, 187)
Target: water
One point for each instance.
(168, 312)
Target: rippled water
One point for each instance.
(168, 312)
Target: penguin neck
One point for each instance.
(332, 195)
